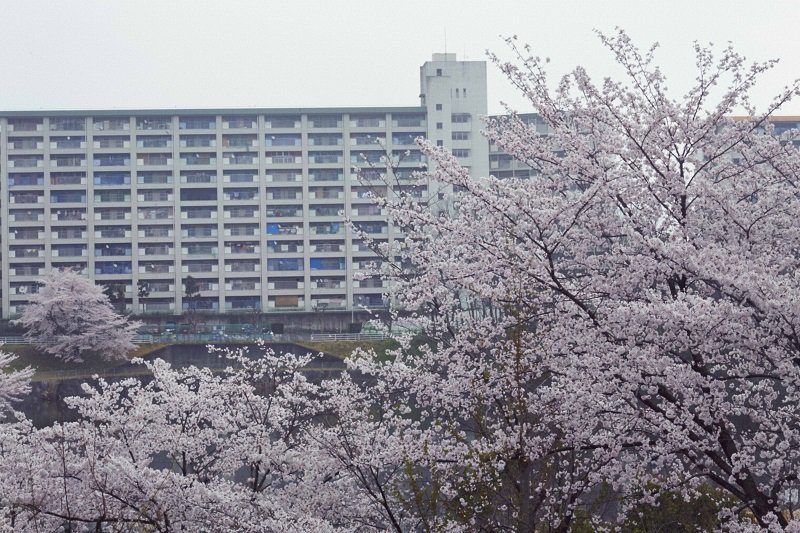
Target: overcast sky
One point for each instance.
(298, 53)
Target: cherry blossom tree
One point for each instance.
(14, 384)
(70, 315)
(626, 320)
(190, 450)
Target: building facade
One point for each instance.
(250, 203)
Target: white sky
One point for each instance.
(116, 54)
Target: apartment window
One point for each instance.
(25, 215)
(410, 121)
(282, 265)
(375, 157)
(242, 284)
(112, 178)
(235, 158)
(197, 195)
(438, 72)
(67, 160)
(25, 161)
(322, 210)
(25, 180)
(155, 249)
(158, 195)
(325, 192)
(111, 124)
(324, 140)
(371, 227)
(199, 177)
(408, 156)
(111, 232)
(284, 229)
(246, 302)
(327, 246)
(369, 192)
(111, 160)
(63, 215)
(241, 194)
(282, 122)
(460, 118)
(241, 230)
(157, 267)
(438, 107)
(201, 248)
(200, 231)
(68, 250)
(154, 142)
(111, 213)
(439, 143)
(327, 263)
(153, 123)
(26, 251)
(406, 138)
(63, 197)
(460, 152)
(198, 141)
(367, 138)
(367, 121)
(243, 266)
(239, 122)
(102, 250)
(156, 231)
(366, 210)
(458, 93)
(67, 142)
(25, 233)
(242, 247)
(67, 178)
(199, 159)
(198, 123)
(238, 141)
(284, 175)
(285, 211)
(327, 228)
(155, 213)
(325, 121)
(112, 267)
(282, 140)
(155, 159)
(24, 143)
(200, 212)
(284, 247)
(284, 157)
(242, 212)
(460, 136)
(369, 300)
(325, 157)
(154, 178)
(27, 270)
(25, 197)
(465, 92)
(439, 125)
(158, 286)
(67, 124)
(24, 124)
(110, 196)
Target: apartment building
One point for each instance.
(250, 203)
